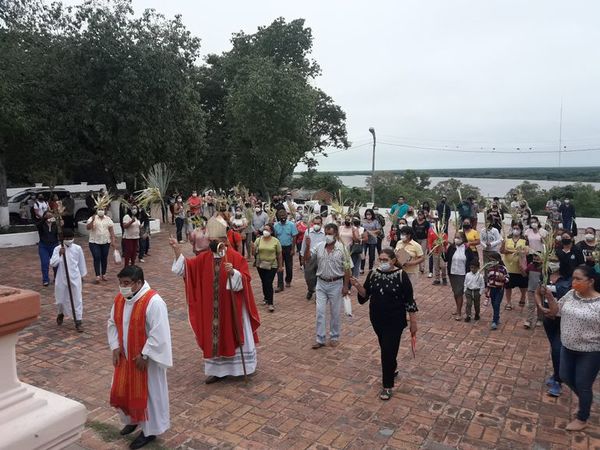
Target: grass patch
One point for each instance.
(110, 433)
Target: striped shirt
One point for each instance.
(332, 264)
(494, 278)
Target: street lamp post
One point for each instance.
(372, 131)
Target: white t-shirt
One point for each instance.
(100, 233)
(459, 261)
(133, 231)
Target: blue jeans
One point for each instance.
(45, 251)
(100, 256)
(496, 295)
(579, 370)
(552, 328)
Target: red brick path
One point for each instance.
(468, 387)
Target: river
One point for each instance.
(489, 187)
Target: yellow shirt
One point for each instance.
(512, 260)
(414, 250)
(267, 250)
(472, 235)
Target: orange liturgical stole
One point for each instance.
(129, 390)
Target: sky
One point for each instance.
(481, 77)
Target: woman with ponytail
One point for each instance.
(580, 334)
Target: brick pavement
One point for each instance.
(468, 387)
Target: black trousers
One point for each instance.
(179, 221)
(389, 343)
(370, 249)
(379, 243)
(288, 262)
(266, 278)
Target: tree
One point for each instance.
(263, 112)
(449, 189)
(312, 179)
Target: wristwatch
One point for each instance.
(144, 357)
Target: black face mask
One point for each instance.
(467, 227)
(213, 245)
(566, 241)
(347, 223)
(356, 222)
(282, 219)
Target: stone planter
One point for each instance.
(30, 418)
(18, 239)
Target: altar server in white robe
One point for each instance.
(77, 270)
(140, 339)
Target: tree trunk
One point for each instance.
(4, 215)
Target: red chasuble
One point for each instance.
(210, 315)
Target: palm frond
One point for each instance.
(157, 180)
(102, 201)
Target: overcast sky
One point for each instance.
(439, 73)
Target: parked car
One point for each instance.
(20, 204)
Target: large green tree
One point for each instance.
(264, 114)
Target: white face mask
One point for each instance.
(534, 225)
(317, 227)
(385, 267)
(68, 242)
(134, 211)
(257, 210)
(516, 232)
(589, 237)
(126, 291)
(553, 266)
(266, 233)
(52, 220)
(100, 213)
(403, 237)
(329, 239)
(458, 241)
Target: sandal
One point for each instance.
(455, 314)
(458, 318)
(508, 307)
(385, 394)
(521, 302)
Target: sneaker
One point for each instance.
(476, 317)
(279, 289)
(142, 260)
(288, 285)
(550, 380)
(271, 308)
(430, 275)
(555, 389)
(444, 281)
(494, 326)
(539, 323)
(45, 283)
(59, 319)
(527, 325)
(436, 282)
(468, 319)
(576, 425)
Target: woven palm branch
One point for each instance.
(547, 255)
(197, 222)
(337, 205)
(158, 179)
(102, 201)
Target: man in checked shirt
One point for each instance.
(334, 267)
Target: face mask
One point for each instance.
(126, 291)
(553, 266)
(402, 237)
(580, 286)
(134, 211)
(347, 223)
(238, 214)
(458, 242)
(283, 220)
(385, 266)
(329, 239)
(257, 210)
(179, 199)
(52, 220)
(534, 225)
(589, 237)
(466, 226)
(100, 213)
(194, 195)
(317, 227)
(567, 202)
(68, 242)
(516, 232)
(266, 233)
(356, 223)
(567, 241)
(368, 217)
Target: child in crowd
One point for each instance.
(534, 273)
(474, 287)
(496, 280)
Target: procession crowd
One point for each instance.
(555, 277)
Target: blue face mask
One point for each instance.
(385, 267)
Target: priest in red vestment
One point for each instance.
(213, 280)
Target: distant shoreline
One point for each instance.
(573, 174)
